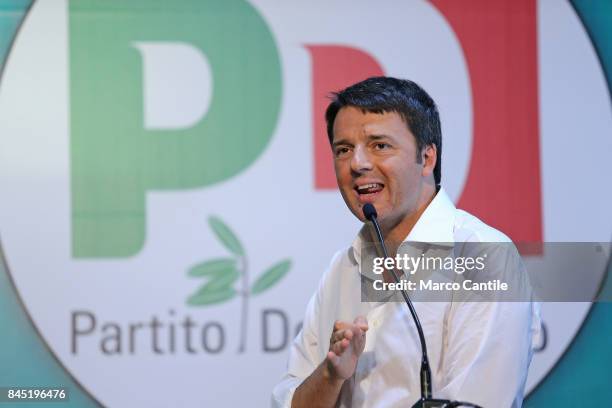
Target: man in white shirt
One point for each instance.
(386, 141)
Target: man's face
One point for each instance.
(375, 158)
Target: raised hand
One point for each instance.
(345, 346)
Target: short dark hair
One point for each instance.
(386, 94)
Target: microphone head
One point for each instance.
(369, 211)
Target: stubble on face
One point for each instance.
(375, 158)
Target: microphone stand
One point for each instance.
(426, 400)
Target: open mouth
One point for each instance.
(367, 192)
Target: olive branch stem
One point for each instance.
(244, 270)
(223, 273)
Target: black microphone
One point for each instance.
(426, 401)
(369, 212)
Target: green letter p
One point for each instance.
(164, 96)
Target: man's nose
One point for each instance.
(361, 160)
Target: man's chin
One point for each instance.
(357, 210)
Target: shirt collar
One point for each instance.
(436, 225)
(437, 222)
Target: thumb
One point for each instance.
(361, 322)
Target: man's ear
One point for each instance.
(429, 158)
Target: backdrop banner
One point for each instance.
(167, 195)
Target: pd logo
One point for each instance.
(167, 201)
(158, 103)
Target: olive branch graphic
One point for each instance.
(222, 274)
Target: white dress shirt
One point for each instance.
(478, 351)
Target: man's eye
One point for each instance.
(341, 150)
(381, 146)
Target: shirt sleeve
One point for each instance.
(304, 352)
(302, 358)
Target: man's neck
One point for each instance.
(396, 235)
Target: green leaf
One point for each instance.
(223, 281)
(271, 276)
(225, 235)
(213, 267)
(221, 273)
(208, 296)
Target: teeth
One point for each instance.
(368, 186)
